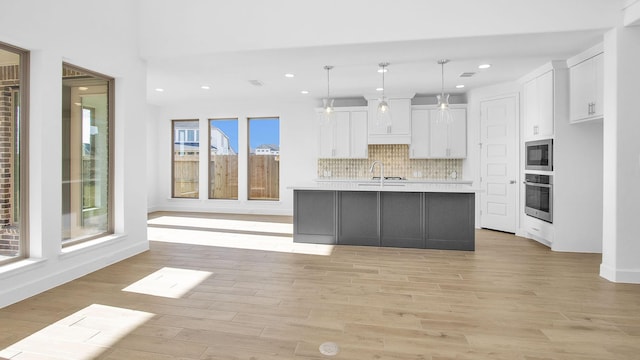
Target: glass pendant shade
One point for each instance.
(383, 114)
(383, 106)
(443, 101)
(444, 114)
(327, 103)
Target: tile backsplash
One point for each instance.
(396, 163)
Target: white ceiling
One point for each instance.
(224, 44)
(413, 67)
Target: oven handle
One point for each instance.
(537, 184)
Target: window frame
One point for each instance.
(209, 180)
(258, 118)
(172, 149)
(111, 154)
(23, 132)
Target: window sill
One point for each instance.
(20, 266)
(90, 245)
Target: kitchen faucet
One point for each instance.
(381, 170)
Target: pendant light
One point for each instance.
(327, 103)
(444, 114)
(384, 111)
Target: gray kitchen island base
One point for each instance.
(430, 220)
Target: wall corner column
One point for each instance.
(621, 156)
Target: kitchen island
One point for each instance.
(396, 214)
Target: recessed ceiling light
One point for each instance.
(205, 87)
(83, 88)
(289, 75)
(484, 66)
(159, 89)
(459, 86)
(379, 89)
(305, 92)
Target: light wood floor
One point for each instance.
(193, 296)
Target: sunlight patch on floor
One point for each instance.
(236, 240)
(169, 282)
(83, 335)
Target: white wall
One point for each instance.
(100, 38)
(577, 197)
(153, 115)
(298, 153)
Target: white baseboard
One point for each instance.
(527, 235)
(45, 282)
(225, 210)
(630, 276)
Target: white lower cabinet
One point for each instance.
(344, 136)
(539, 230)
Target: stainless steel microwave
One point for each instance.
(539, 155)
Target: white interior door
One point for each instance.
(498, 119)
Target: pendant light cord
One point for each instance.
(383, 71)
(442, 77)
(328, 68)
(328, 82)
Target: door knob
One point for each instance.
(512, 181)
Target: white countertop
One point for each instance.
(405, 181)
(389, 185)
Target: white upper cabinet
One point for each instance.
(396, 129)
(586, 89)
(419, 148)
(358, 135)
(538, 106)
(432, 138)
(448, 139)
(345, 135)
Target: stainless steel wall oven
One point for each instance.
(539, 196)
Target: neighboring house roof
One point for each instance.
(272, 147)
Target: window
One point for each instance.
(185, 159)
(223, 159)
(264, 159)
(87, 154)
(14, 67)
